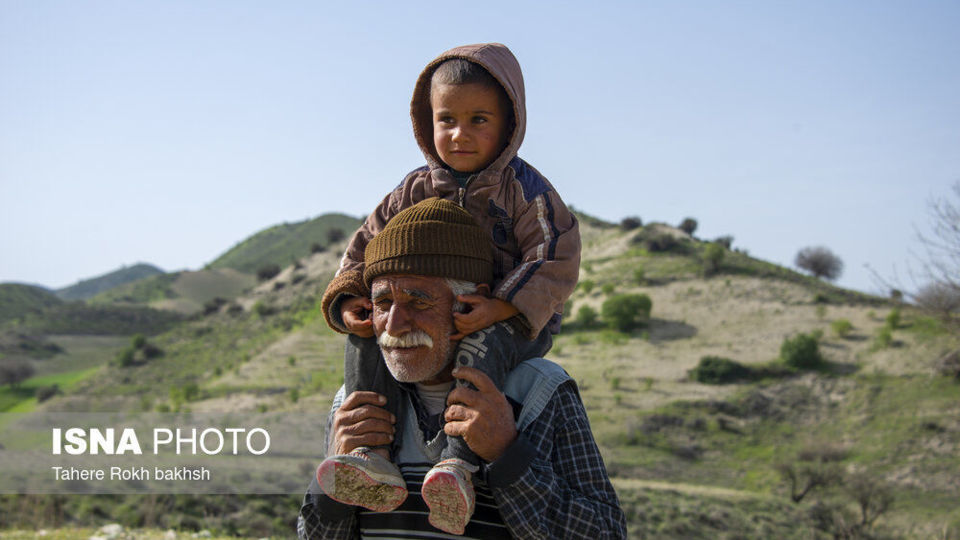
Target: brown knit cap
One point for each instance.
(434, 237)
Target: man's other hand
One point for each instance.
(483, 417)
(355, 313)
(361, 421)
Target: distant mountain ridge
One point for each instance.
(284, 243)
(88, 288)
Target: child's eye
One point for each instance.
(479, 119)
(446, 120)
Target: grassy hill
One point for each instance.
(89, 288)
(875, 422)
(17, 300)
(282, 244)
(184, 292)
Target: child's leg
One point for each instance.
(365, 476)
(364, 369)
(494, 350)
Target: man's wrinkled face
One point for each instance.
(413, 321)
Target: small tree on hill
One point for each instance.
(268, 271)
(688, 225)
(630, 223)
(819, 261)
(625, 312)
(801, 351)
(335, 235)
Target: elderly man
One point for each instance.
(541, 474)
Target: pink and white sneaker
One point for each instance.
(363, 478)
(449, 493)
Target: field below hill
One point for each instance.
(873, 430)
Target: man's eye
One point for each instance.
(383, 304)
(422, 304)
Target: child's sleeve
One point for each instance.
(348, 281)
(549, 239)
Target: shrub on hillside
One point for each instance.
(586, 316)
(46, 392)
(658, 242)
(820, 262)
(884, 337)
(268, 271)
(624, 312)
(841, 327)
(718, 370)
(151, 351)
(893, 318)
(213, 305)
(335, 235)
(801, 352)
(607, 288)
(640, 276)
(688, 225)
(127, 357)
(631, 223)
(317, 247)
(712, 257)
(15, 372)
(587, 285)
(725, 241)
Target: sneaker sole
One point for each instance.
(448, 506)
(349, 485)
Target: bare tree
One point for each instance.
(819, 261)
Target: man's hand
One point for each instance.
(361, 421)
(483, 417)
(483, 312)
(355, 313)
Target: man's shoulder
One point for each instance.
(533, 384)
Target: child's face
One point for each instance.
(469, 125)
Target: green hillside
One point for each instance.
(18, 300)
(89, 288)
(79, 318)
(872, 422)
(184, 292)
(282, 244)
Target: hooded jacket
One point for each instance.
(534, 237)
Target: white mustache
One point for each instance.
(414, 338)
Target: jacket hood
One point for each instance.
(500, 62)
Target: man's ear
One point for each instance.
(483, 289)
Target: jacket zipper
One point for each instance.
(462, 192)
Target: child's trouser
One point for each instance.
(494, 350)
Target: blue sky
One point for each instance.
(165, 132)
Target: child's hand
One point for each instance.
(355, 313)
(483, 312)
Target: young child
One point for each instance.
(469, 118)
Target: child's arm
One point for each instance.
(348, 282)
(549, 239)
(345, 294)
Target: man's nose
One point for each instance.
(398, 320)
